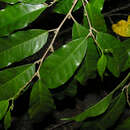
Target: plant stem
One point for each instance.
(56, 33)
(122, 83)
(48, 49)
(91, 29)
(127, 93)
(86, 14)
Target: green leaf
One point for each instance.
(109, 118)
(24, 1)
(93, 111)
(125, 125)
(63, 6)
(70, 90)
(94, 8)
(126, 45)
(103, 105)
(62, 64)
(3, 108)
(33, 1)
(114, 111)
(7, 120)
(18, 16)
(41, 101)
(79, 31)
(101, 65)
(89, 66)
(14, 79)
(118, 55)
(21, 45)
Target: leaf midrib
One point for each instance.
(56, 68)
(22, 43)
(14, 78)
(17, 18)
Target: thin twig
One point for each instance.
(116, 10)
(73, 18)
(116, 14)
(56, 33)
(52, 3)
(127, 93)
(91, 28)
(86, 14)
(61, 124)
(44, 55)
(86, 1)
(110, 19)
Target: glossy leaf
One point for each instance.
(103, 105)
(94, 8)
(117, 56)
(114, 112)
(21, 45)
(24, 1)
(89, 67)
(79, 31)
(62, 64)
(101, 65)
(7, 120)
(93, 111)
(122, 28)
(106, 106)
(18, 16)
(41, 101)
(14, 79)
(109, 118)
(63, 6)
(125, 125)
(3, 108)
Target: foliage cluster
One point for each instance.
(92, 51)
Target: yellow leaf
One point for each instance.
(122, 28)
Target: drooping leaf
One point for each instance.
(79, 31)
(101, 65)
(3, 108)
(7, 120)
(93, 111)
(63, 6)
(109, 118)
(14, 79)
(62, 64)
(126, 45)
(41, 101)
(122, 28)
(108, 105)
(18, 16)
(125, 125)
(89, 66)
(94, 8)
(21, 45)
(117, 56)
(24, 1)
(114, 111)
